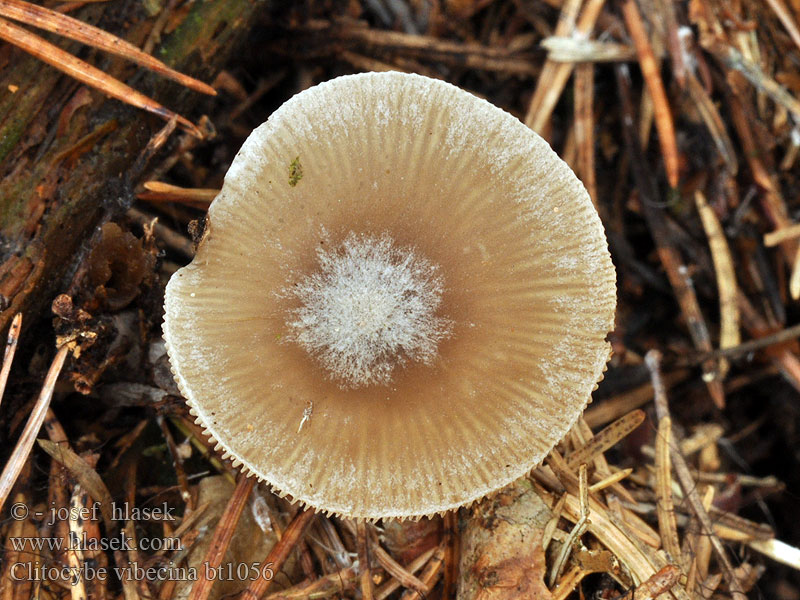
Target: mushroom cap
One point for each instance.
(527, 289)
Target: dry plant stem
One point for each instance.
(784, 335)
(689, 486)
(189, 520)
(128, 529)
(610, 480)
(177, 463)
(667, 15)
(74, 554)
(174, 240)
(660, 583)
(652, 78)
(222, 537)
(84, 475)
(732, 527)
(392, 567)
(584, 127)
(186, 143)
(167, 590)
(198, 441)
(606, 438)
(552, 524)
(714, 123)
(12, 556)
(452, 554)
(726, 277)
(264, 86)
(398, 63)
(154, 144)
(23, 448)
(770, 483)
(667, 252)
(667, 525)
(614, 408)
(750, 574)
(420, 43)
(646, 116)
(88, 478)
(363, 549)
(567, 16)
(577, 530)
(470, 55)
(279, 553)
(646, 534)
(154, 37)
(86, 142)
(788, 21)
(702, 542)
(794, 279)
(50, 20)
(640, 560)
(306, 562)
(333, 584)
(773, 238)
(367, 63)
(324, 553)
(57, 493)
(157, 192)
(772, 201)
(755, 75)
(11, 348)
(786, 360)
(778, 551)
(583, 437)
(335, 546)
(790, 158)
(429, 574)
(388, 588)
(554, 75)
(86, 73)
(569, 582)
(582, 50)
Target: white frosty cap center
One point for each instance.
(370, 308)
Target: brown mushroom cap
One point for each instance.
(526, 297)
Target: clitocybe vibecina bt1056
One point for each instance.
(400, 303)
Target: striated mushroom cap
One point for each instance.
(401, 301)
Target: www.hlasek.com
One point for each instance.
(82, 542)
(24, 571)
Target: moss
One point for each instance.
(18, 109)
(295, 171)
(9, 136)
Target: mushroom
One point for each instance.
(400, 302)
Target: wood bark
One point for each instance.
(501, 547)
(68, 155)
